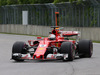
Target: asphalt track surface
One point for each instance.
(84, 66)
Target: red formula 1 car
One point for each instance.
(56, 46)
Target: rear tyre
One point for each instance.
(85, 48)
(21, 48)
(68, 48)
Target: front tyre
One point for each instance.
(85, 48)
(20, 48)
(68, 48)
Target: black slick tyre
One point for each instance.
(68, 48)
(85, 48)
(19, 47)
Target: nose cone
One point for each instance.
(37, 56)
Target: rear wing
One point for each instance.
(70, 33)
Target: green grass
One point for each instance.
(96, 41)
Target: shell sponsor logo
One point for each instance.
(41, 48)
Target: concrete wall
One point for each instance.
(86, 32)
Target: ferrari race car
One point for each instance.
(56, 46)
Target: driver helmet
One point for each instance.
(52, 37)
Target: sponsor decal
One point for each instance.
(42, 45)
(57, 44)
(39, 52)
(41, 48)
